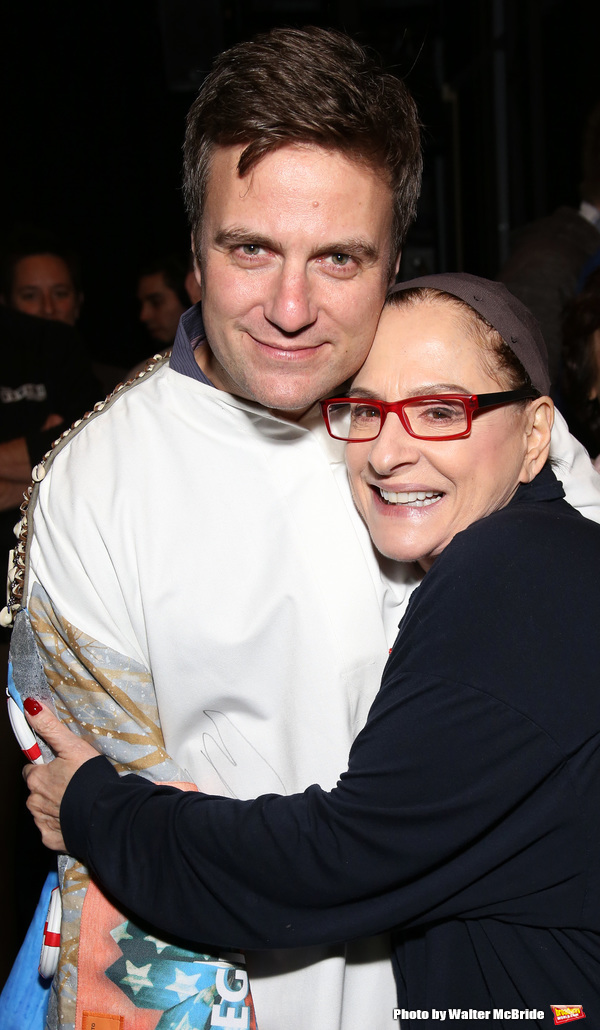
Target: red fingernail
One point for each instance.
(31, 706)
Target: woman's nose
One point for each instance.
(393, 447)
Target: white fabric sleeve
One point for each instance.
(574, 468)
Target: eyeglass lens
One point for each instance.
(426, 418)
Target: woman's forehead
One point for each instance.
(417, 329)
(426, 342)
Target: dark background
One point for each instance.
(94, 97)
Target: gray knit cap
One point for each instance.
(515, 323)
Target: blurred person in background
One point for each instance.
(46, 378)
(162, 295)
(41, 276)
(46, 383)
(45, 283)
(579, 384)
(547, 255)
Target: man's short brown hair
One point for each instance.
(306, 85)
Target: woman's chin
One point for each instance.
(406, 537)
(404, 551)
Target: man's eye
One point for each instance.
(251, 249)
(340, 260)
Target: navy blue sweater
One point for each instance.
(467, 821)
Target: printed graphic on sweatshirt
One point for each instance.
(108, 699)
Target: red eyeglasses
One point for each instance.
(446, 416)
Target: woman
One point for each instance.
(467, 819)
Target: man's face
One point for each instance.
(42, 286)
(294, 267)
(160, 307)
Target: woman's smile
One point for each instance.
(415, 494)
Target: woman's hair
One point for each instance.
(500, 362)
(579, 373)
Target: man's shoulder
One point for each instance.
(119, 422)
(154, 421)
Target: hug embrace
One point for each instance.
(465, 821)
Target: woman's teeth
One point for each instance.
(420, 498)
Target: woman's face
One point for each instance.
(419, 350)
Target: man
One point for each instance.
(42, 278)
(47, 380)
(162, 298)
(215, 613)
(549, 255)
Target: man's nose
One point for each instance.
(48, 305)
(290, 304)
(393, 447)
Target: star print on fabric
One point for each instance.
(184, 986)
(159, 945)
(137, 976)
(120, 933)
(184, 1024)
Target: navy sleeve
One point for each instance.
(423, 826)
(471, 792)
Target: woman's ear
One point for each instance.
(538, 427)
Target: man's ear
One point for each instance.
(538, 427)
(396, 268)
(197, 273)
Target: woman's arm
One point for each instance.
(466, 793)
(438, 815)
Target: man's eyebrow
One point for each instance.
(355, 246)
(237, 237)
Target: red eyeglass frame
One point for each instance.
(473, 403)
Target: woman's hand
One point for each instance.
(47, 783)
